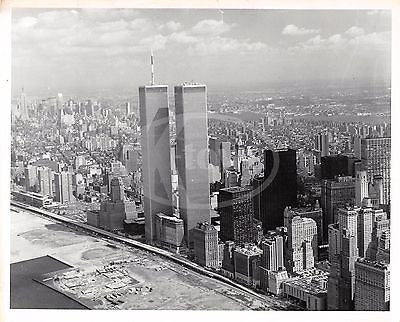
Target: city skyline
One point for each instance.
(104, 48)
(157, 193)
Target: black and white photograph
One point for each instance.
(199, 159)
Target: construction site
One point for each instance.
(102, 274)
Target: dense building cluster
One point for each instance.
(294, 208)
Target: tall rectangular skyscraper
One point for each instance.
(235, 207)
(375, 158)
(154, 122)
(192, 154)
(361, 187)
(279, 188)
(335, 194)
(220, 154)
(343, 253)
(272, 258)
(225, 155)
(63, 187)
(45, 181)
(322, 144)
(215, 151)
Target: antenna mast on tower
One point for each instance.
(152, 67)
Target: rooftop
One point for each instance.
(170, 218)
(192, 84)
(312, 281)
(205, 226)
(249, 250)
(375, 264)
(153, 86)
(235, 189)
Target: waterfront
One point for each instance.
(173, 287)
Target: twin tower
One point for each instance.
(191, 155)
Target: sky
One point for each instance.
(93, 49)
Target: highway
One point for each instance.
(271, 302)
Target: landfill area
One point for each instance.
(108, 275)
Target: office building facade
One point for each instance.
(205, 244)
(169, 232)
(31, 178)
(372, 285)
(192, 155)
(375, 158)
(334, 165)
(45, 181)
(335, 194)
(343, 254)
(361, 187)
(364, 231)
(279, 188)
(245, 262)
(272, 248)
(63, 191)
(322, 144)
(315, 213)
(154, 122)
(302, 251)
(235, 208)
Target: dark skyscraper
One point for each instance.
(192, 155)
(334, 165)
(334, 194)
(235, 207)
(215, 155)
(279, 188)
(339, 165)
(257, 198)
(154, 121)
(117, 190)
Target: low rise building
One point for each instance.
(169, 231)
(310, 289)
(276, 279)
